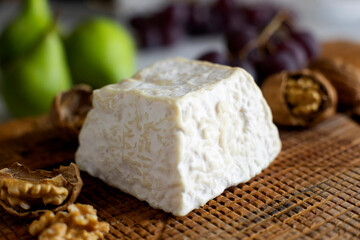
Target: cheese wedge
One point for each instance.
(178, 133)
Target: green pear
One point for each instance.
(100, 52)
(32, 60)
(24, 31)
(31, 82)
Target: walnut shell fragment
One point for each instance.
(27, 193)
(70, 108)
(356, 114)
(346, 50)
(80, 222)
(301, 98)
(344, 76)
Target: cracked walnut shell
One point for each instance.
(80, 222)
(348, 51)
(70, 108)
(344, 76)
(27, 193)
(301, 98)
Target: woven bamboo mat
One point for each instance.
(311, 191)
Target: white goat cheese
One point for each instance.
(178, 133)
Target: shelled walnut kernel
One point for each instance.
(80, 222)
(304, 96)
(22, 193)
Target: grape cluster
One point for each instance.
(162, 28)
(291, 51)
(244, 29)
(284, 48)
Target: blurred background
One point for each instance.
(325, 20)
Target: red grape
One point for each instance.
(176, 13)
(255, 56)
(295, 49)
(199, 20)
(260, 14)
(233, 21)
(222, 12)
(214, 57)
(276, 62)
(163, 28)
(224, 6)
(139, 22)
(170, 33)
(237, 40)
(309, 43)
(149, 36)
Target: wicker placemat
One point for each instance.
(311, 191)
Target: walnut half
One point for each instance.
(302, 98)
(69, 110)
(80, 222)
(27, 193)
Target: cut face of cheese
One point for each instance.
(178, 133)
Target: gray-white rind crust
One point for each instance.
(178, 133)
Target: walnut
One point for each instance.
(19, 192)
(28, 193)
(299, 98)
(346, 50)
(344, 76)
(80, 222)
(304, 96)
(69, 110)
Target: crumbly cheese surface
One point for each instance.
(178, 133)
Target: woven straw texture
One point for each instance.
(311, 191)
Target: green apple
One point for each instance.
(100, 52)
